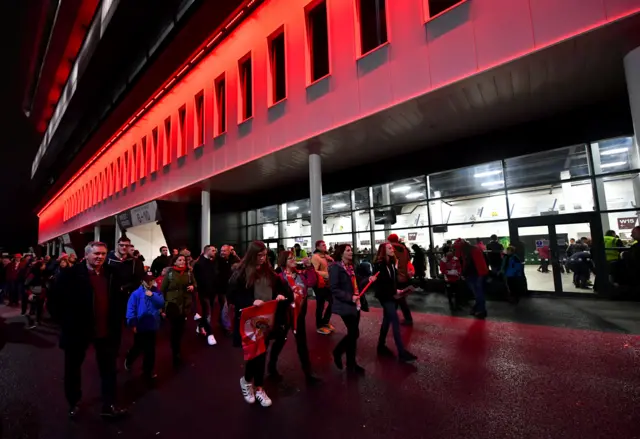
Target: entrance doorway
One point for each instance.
(542, 244)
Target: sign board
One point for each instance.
(627, 223)
(539, 243)
(413, 236)
(147, 213)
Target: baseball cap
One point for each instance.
(148, 277)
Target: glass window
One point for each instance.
(409, 237)
(615, 155)
(304, 241)
(262, 231)
(361, 198)
(622, 223)
(559, 198)
(398, 192)
(252, 217)
(268, 214)
(340, 202)
(468, 209)
(402, 217)
(334, 240)
(466, 181)
(547, 167)
(296, 227)
(363, 220)
(620, 192)
(298, 209)
(363, 244)
(337, 223)
(472, 233)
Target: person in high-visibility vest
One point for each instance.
(611, 245)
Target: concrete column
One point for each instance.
(386, 200)
(315, 199)
(96, 232)
(118, 232)
(48, 250)
(205, 219)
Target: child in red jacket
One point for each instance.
(451, 269)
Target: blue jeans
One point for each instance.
(390, 317)
(476, 285)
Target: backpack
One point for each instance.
(514, 267)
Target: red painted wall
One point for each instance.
(421, 55)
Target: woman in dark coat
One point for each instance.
(345, 288)
(386, 290)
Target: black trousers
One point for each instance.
(254, 370)
(144, 342)
(402, 303)
(36, 308)
(323, 295)
(280, 339)
(177, 323)
(206, 305)
(349, 343)
(106, 354)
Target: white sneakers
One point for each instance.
(262, 398)
(247, 391)
(251, 395)
(211, 340)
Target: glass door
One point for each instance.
(544, 244)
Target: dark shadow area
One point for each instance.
(277, 111)
(448, 21)
(318, 89)
(220, 141)
(245, 128)
(17, 332)
(373, 60)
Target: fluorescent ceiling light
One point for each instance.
(339, 205)
(612, 165)
(614, 151)
(414, 195)
(487, 174)
(293, 208)
(401, 189)
(493, 183)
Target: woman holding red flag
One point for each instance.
(253, 283)
(298, 281)
(386, 292)
(345, 288)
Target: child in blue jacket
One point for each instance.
(143, 317)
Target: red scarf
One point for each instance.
(350, 271)
(180, 269)
(299, 294)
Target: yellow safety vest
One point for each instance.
(610, 252)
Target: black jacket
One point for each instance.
(129, 271)
(159, 264)
(386, 285)
(224, 268)
(71, 304)
(342, 290)
(204, 271)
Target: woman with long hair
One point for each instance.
(386, 290)
(345, 288)
(178, 287)
(298, 282)
(253, 283)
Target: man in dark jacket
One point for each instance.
(495, 250)
(129, 270)
(204, 270)
(89, 305)
(161, 262)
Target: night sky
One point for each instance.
(19, 140)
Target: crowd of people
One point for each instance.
(94, 298)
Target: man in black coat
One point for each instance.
(88, 304)
(161, 262)
(204, 270)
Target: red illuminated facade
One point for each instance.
(226, 108)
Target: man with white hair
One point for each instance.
(89, 305)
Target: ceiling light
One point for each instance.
(612, 165)
(614, 151)
(493, 183)
(293, 208)
(413, 195)
(339, 205)
(487, 174)
(401, 189)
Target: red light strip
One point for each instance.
(173, 80)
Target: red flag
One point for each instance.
(255, 324)
(298, 298)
